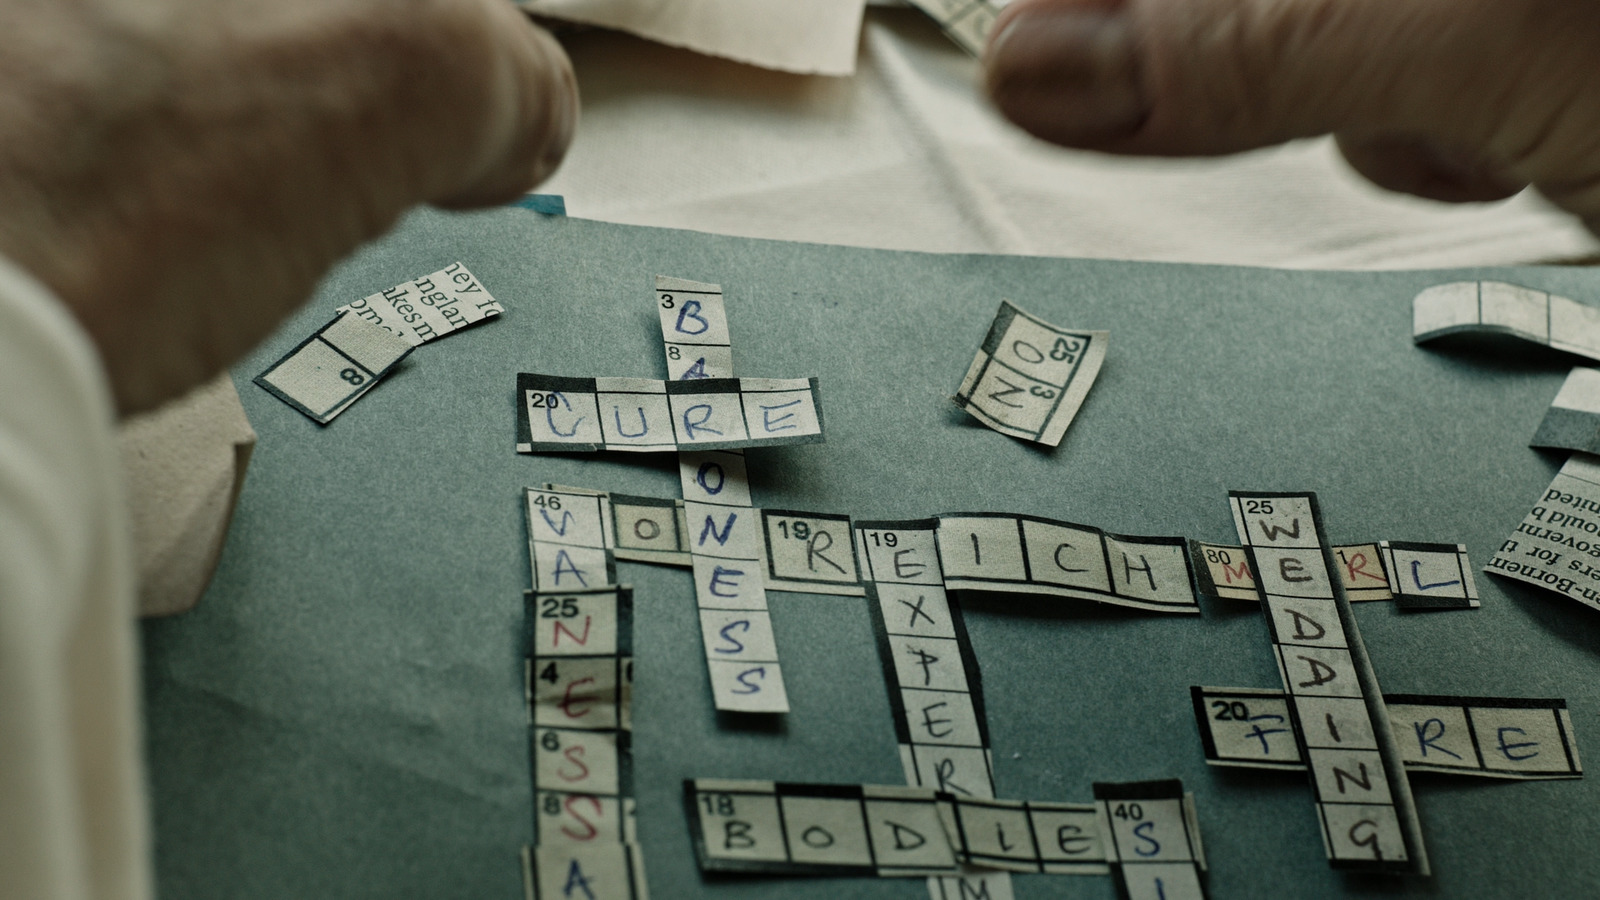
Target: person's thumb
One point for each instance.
(1455, 99)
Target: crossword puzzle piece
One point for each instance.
(1493, 737)
(588, 871)
(1365, 809)
(1030, 377)
(1028, 554)
(1152, 839)
(430, 307)
(1019, 836)
(1573, 420)
(1432, 576)
(1146, 830)
(1497, 307)
(817, 829)
(565, 415)
(333, 368)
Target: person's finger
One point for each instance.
(1420, 168)
(533, 110)
(1508, 80)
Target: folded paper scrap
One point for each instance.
(428, 308)
(1146, 831)
(1557, 544)
(1030, 377)
(333, 368)
(557, 414)
(1501, 308)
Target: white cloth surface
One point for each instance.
(73, 820)
(908, 154)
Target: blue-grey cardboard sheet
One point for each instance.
(343, 714)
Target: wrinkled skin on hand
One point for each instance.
(1457, 100)
(182, 172)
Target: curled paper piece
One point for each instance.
(1029, 377)
(1499, 308)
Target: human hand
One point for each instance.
(182, 172)
(1457, 100)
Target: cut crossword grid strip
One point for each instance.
(1029, 377)
(1033, 555)
(722, 528)
(1492, 737)
(817, 829)
(556, 414)
(567, 545)
(935, 689)
(334, 367)
(845, 829)
(1497, 307)
(1368, 817)
(1422, 576)
(579, 688)
(578, 631)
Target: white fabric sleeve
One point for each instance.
(73, 816)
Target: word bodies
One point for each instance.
(429, 307)
(333, 368)
(1557, 545)
(817, 829)
(1497, 307)
(1573, 420)
(1493, 737)
(557, 414)
(1364, 801)
(1145, 831)
(579, 685)
(1029, 377)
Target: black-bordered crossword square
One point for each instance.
(580, 623)
(808, 548)
(331, 369)
(1430, 576)
(605, 871)
(577, 692)
(1245, 727)
(563, 817)
(650, 525)
(1223, 571)
(580, 762)
(1361, 572)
